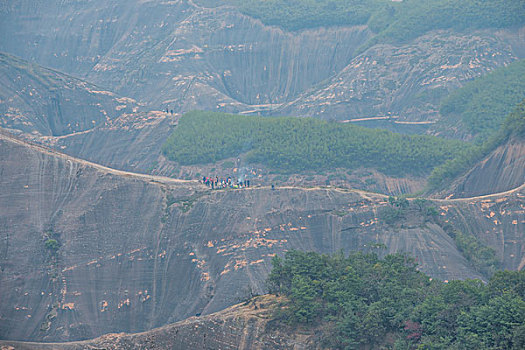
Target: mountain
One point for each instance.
(99, 106)
(182, 55)
(243, 326)
(134, 251)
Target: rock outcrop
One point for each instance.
(138, 252)
(71, 115)
(240, 327)
(182, 56)
(42, 102)
(502, 170)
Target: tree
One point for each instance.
(52, 245)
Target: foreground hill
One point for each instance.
(243, 326)
(88, 250)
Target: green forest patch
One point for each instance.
(393, 21)
(289, 144)
(483, 103)
(362, 301)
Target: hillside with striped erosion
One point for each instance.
(136, 251)
(186, 55)
(77, 117)
(115, 115)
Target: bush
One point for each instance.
(52, 245)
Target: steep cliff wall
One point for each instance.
(502, 170)
(183, 56)
(242, 327)
(138, 252)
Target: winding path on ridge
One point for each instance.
(4, 135)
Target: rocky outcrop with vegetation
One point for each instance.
(134, 252)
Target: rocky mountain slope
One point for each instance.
(184, 56)
(243, 326)
(87, 250)
(79, 118)
(502, 170)
(42, 102)
(137, 252)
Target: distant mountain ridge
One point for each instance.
(183, 56)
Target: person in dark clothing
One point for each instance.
(273, 187)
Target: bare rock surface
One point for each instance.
(502, 170)
(406, 82)
(182, 56)
(42, 102)
(138, 251)
(243, 326)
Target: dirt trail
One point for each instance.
(486, 196)
(101, 168)
(171, 181)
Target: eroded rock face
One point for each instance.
(244, 326)
(63, 112)
(138, 252)
(406, 82)
(179, 55)
(41, 102)
(503, 169)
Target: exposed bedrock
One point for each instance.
(502, 170)
(42, 102)
(137, 252)
(177, 55)
(242, 327)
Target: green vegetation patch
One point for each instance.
(481, 256)
(361, 301)
(513, 126)
(484, 103)
(392, 20)
(291, 144)
(412, 18)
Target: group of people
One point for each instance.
(215, 183)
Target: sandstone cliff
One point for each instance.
(138, 251)
(243, 326)
(183, 56)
